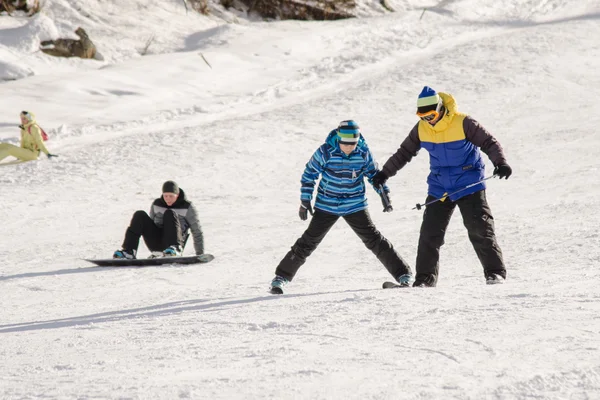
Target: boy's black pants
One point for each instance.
(477, 218)
(156, 238)
(361, 224)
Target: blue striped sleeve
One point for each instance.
(371, 170)
(314, 167)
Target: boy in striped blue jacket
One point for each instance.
(343, 161)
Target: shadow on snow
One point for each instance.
(151, 311)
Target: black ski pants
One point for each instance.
(361, 224)
(156, 238)
(477, 218)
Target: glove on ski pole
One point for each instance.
(385, 200)
(503, 171)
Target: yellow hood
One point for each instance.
(30, 117)
(451, 110)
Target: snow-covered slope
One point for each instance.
(236, 135)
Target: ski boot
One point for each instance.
(125, 254)
(277, 284)
(404, 280)
(172, 251)
(494, 279)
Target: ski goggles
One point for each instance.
(431, 115)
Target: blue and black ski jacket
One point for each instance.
(341, 190)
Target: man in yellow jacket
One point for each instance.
(32, 142)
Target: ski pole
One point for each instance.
(387, 205)
(419, 206)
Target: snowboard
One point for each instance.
(146, 262)
(393, 285)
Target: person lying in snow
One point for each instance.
(343, 162)
(32, 141)
(165, 230)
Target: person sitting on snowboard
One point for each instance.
(164, 230)
(32, 142)
(343, 162)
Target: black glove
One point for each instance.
(379, 179)
(305, 208)
(51, 155)
(21, 126)
(503, 171)
(387, 203)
